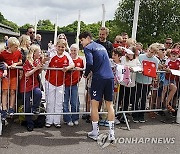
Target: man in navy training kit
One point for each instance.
(97, 61)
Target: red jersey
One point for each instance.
(175, 65)
(74, 77)
(29, 83)
(9, 59)
(56, 77)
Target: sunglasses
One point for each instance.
(31, 32)
(168, 43)
(162, 49)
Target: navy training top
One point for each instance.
(97, 61)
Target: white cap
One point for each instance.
(128, 51)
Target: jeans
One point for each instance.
(142, 91)
(71, 95)
(126, 96)
(36, 96)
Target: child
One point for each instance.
(71, 88)
(3, 68)
(12, 57)
(29, 84)
(117, 53)
(127, 91)
(143, 84)
(25, 43)
(54, 83)
(171, 80)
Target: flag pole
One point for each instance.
(55, 32)
(135, 21)
(103, 16)
(35, 26)
(78, 28)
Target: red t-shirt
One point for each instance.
(29, 83)
(9, 59)
(56, 77)
(74, 77)
(173, 65)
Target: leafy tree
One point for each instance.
(1, 17)
(8, 23)
(25, 26)
(158, 19)
(45, 25)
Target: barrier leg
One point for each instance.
(178, 113)
(0, 125)
(127, 124)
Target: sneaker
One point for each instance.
(106, 123)
(47, 125)
(161, 113)
(30, 128)
(3, 114)
(92, 135)
(70, 123)
(36, 111)
(135, 120)
(57, 125)
(174, 114)
(11, 111)
(76, 122)
(84, 116)
(101, 122)
(116, 121)
(141, 120)
(88, 119)
(111, 137)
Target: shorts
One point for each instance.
(9, 83)
(167, 82)
(102, 87)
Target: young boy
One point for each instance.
(143, 83)
(12, 57)
(97, 61)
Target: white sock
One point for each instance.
(95, 127)
(111, 127)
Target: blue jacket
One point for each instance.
(97, 61)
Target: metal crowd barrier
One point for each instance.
(150, 106)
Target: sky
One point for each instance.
(25, 11)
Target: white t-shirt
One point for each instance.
(131, 63)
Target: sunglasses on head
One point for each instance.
(31, 32)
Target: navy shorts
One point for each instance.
(102, 87)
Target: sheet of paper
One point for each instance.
(137, 68)
(175, 72)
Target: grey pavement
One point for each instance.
(17, 140)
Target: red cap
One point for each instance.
(115, 45)
(175, 51)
